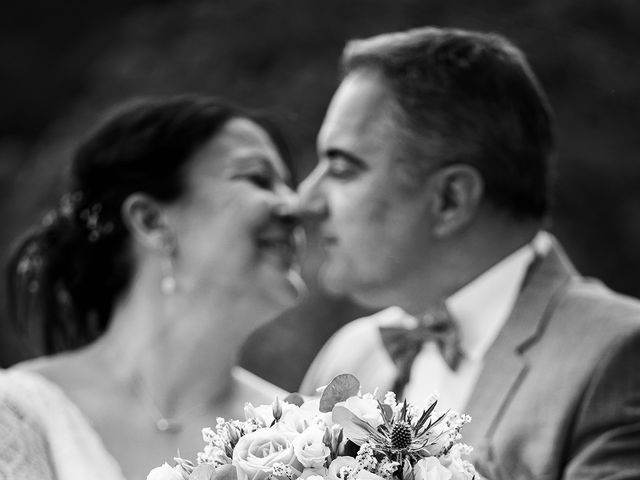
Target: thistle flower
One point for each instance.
(403, 434)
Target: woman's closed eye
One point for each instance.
(262, 180)
(259, 174)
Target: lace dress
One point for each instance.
(44, 436)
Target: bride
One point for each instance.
(175, 242)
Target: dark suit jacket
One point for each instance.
(559, 395)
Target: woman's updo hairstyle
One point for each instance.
(65, 275)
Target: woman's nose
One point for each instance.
(288, 207)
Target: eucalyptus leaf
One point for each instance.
(341, 387)
(204, 471)
(294, 399)
(353, 427)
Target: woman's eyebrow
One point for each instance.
(263, 161)
(251, 159)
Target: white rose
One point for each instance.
(257, 452)
(296, 419)
(263, 414)
(441, 438)
(430, 468)
(365, 409)
(310, 451)
(164, 472)
(460, 468)
(311, 408)
(313, 474)
(338, 464)
(367, 475)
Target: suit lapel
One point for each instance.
(505, 366)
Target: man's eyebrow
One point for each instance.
(338, 153)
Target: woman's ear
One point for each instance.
(147, 221)
(458, 189)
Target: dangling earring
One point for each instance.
(168, 284)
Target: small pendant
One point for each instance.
(166, 425)
(168, 285)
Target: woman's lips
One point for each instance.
(328, 241)
(280, 247)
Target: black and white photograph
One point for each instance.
(319, 240)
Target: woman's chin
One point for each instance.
(284, 289)
(297, 284)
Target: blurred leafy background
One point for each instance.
(62, 63)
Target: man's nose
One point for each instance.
(312, 199)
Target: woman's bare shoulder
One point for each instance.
(64, 369)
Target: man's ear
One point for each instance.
(146, 220)
(458, 189)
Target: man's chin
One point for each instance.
(340, 282)
(333, 281)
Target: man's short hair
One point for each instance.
(474, 96)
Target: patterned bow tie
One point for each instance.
(404, 344)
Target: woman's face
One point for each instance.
(235, 223)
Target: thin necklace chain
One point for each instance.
(163, 423)
(169, 424)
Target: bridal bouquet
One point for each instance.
(344, 435)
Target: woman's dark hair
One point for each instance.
(65, 275)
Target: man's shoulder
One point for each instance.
(575, 301)
(590, 301)
(596, 299)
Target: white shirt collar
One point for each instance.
(483, 306)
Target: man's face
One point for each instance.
(375, 228)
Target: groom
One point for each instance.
(431, 192)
